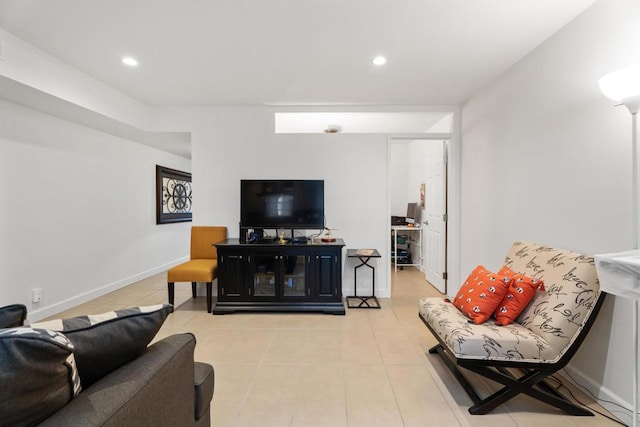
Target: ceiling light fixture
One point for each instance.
(379, 60)
(333, 129)
(131, 62)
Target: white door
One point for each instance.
(434, 220)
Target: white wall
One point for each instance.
(78, 212)
(417, 170)
(399, 194)
(546, 157)
(234, 143)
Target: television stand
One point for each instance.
(279, 277)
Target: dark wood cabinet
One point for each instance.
(279, 277)
(326, 276)
(233, 271)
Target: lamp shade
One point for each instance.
(622, 84)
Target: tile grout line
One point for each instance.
(453, 406)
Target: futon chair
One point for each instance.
(542, 340)
(203, 265)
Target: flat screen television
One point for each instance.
(290, 203)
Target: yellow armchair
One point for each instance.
(203, 265)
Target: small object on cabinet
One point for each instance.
(328, 238)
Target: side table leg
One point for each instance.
(364, 301)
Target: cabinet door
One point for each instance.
(265, 273)
(231, 277)
(294, 277)
(326, 276)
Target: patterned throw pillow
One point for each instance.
(519, 295)
(38, 375)
(104, 342)
(480, 294)
(12, 316)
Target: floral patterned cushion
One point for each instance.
(548, 325)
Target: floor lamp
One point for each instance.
(619, 273)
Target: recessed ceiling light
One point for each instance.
(379, 60)
(127, 60)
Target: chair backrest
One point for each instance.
(202, 240)
(572, 293)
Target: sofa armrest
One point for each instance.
(204, 383)
(156, 389)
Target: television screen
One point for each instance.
(282, 203)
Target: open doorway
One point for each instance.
(418, 175)
(398, 124)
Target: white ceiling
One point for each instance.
(290, 52)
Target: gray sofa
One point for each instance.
(99, 370)
(162, 387)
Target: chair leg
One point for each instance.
(170, 288)
(525, 385)
(209, 292)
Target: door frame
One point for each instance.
(452, 194)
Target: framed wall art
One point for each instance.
(173, 195)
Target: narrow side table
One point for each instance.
(355, 301)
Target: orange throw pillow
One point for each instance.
(519, 295)
(481, 293)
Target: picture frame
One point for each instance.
(173, 195)
(422, 191)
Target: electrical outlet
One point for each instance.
(36, 295)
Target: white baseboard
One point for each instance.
(602, 393)
(50, 310)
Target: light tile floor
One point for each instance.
(367, 368)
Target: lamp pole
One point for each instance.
(624, 86)
(634, 221)
(633, 105)
(634, 177)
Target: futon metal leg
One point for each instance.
(209, 292)
(531, 383)
(193, 289)
(524, 385)
(170, 287)
(496, 399)
(559, 402)
(434, 349)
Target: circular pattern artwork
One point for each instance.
(173, 195)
